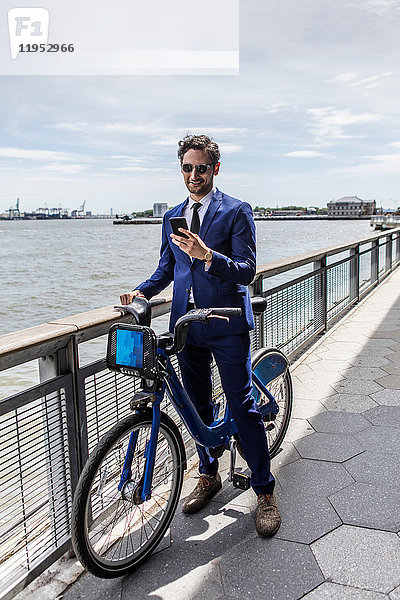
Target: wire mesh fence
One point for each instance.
(35, 484)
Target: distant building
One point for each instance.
(159, 209)
(351, 206)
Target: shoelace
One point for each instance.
(265, 499)
(204, 481)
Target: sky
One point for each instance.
(313, 115)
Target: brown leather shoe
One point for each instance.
(268, 519)
(206, 488)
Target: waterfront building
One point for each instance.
(351, 206)
(159, 209)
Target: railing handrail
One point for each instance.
(29, 344)
(292, 262)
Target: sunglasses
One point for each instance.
(201, 169)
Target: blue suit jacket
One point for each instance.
(228, 229)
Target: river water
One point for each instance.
(52, 269)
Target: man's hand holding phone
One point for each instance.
(189, 242)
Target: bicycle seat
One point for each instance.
(258, 305)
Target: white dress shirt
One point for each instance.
(188, 213)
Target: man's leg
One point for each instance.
(232, 355)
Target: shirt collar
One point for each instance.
(205, 201)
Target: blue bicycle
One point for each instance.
(129, 488)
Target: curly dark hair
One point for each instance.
(199, 142)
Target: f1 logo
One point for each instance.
(27, 25)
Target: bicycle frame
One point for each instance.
(216, 434)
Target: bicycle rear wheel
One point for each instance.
(281, 389)
(114, 532)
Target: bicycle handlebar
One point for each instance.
(181, 328)
(140, 309)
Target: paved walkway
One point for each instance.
(338, 487)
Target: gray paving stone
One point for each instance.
(339, 422)
(287, 455)
(314, 477)
(329, 377)
(330, 447)
(325, 353)
(310, 391)
(327, 365)
(349, 346)
(392, 368)
(330, 591)
(273, 569)
(369, 360)
(390, 381)
(395, 595)
(365, 373)
(353, 403)
(179, 575)
(356, 386)
(305, 518)
(387, 397)
(379, 468)
(359, 557)
(297, 429)
(304, 409)
(89, 587)
(380, 439)
(365, 505)
(386, 416)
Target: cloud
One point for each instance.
(304, 153)
(137, 168)
(353, 80)
(395, 144)
(372, 81)
(330, 123)
(227, 148)
(35, 154)
(69, 168)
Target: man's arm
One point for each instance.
(240, 267)
(161, 277)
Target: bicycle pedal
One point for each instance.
(270, 427)
(241, 481)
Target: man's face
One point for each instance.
(199, 184)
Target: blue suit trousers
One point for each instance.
(232, 356)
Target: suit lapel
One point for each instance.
(210, 214)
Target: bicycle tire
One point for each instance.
(282, 390)
(105, 521)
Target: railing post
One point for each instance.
(355, 274)
(53, 435)
(397, 247)
(321, 295)
(256, 289)
(375, 261)
(388, 253)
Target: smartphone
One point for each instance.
(177, 222)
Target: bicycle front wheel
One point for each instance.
(281, 389)
(113, 531)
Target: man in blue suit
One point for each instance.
(212, 267)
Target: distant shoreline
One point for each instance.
(156, 221)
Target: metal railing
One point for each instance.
(49, 429)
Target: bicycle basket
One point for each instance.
(132, 350)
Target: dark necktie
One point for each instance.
(195, 224)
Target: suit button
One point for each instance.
(187, 290)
